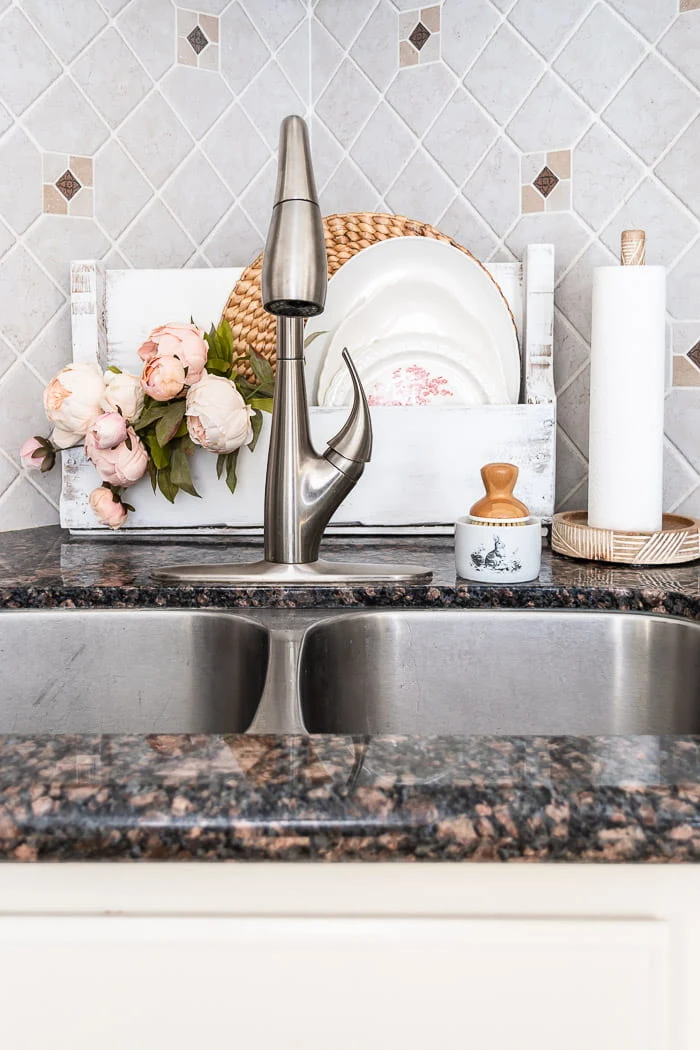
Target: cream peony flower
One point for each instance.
(123, 392)
(163, 378)
(72, 398)
(120, 466)
(217, 416)
(110, 512)
(184, 341)
(65, 438)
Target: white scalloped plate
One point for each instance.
(414, 284)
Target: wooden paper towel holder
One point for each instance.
(677, 541)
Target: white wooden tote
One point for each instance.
(425, 467)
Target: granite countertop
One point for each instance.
(331, 797)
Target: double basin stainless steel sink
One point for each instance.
(360, 672)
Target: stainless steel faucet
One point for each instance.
(302, 489)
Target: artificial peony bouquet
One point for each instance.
(192, 391)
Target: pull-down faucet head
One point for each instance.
(295, 267)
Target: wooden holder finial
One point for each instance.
(499, 502)
(633, 248)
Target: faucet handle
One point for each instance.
(354, 441)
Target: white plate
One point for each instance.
(416, 308)
(443, 272)
(411, 369)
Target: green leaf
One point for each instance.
(166, 485)
(152, 473)
(48, 462)
(180, 470)
(314, 335)
(182, 429)
(262, 403)
(231, 479)
(159, 455)
(220, 464)
(113, 368)
(224, 335)
(262, 369)
(169, 423)
(128, 506)
(218, 366)
(256, 421)
(152, 410)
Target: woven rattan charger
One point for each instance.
(346, 235)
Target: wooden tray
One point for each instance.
(678, 541)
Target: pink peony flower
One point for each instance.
(120, 466)
(110, 512)
(72, 398)
(108, 430)
(184, 341)
(26, 454)
(163, 378)
(217, 416)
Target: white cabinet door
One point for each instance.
(332, 984)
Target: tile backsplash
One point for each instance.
(143, 132)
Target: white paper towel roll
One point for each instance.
(625, 487)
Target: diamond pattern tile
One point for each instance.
(113, 97)
(19, 270)
(332, 107)
(148, 26)
(382, 146)
(198, 196)
(456, 152)
(617, 50)
(27, 66)
(66, 27)
(275, 20)
(545, 26)
(503, 74)
(371, 51)
(180, 159)
(666, 102)
(156, 139)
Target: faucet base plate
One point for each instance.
(319, 573)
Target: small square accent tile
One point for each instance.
(545, 181)
(684, 372)
(689, 5)
(54, 203)
(67, 188)
(532, 201)
(694, 354)
(419, 36)
(197, 39)
(430, 17)
(559, 161)
(408, 56)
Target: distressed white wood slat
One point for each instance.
(426, 461)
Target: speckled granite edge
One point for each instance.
(594, 799)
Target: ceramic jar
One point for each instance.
(498, 551)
